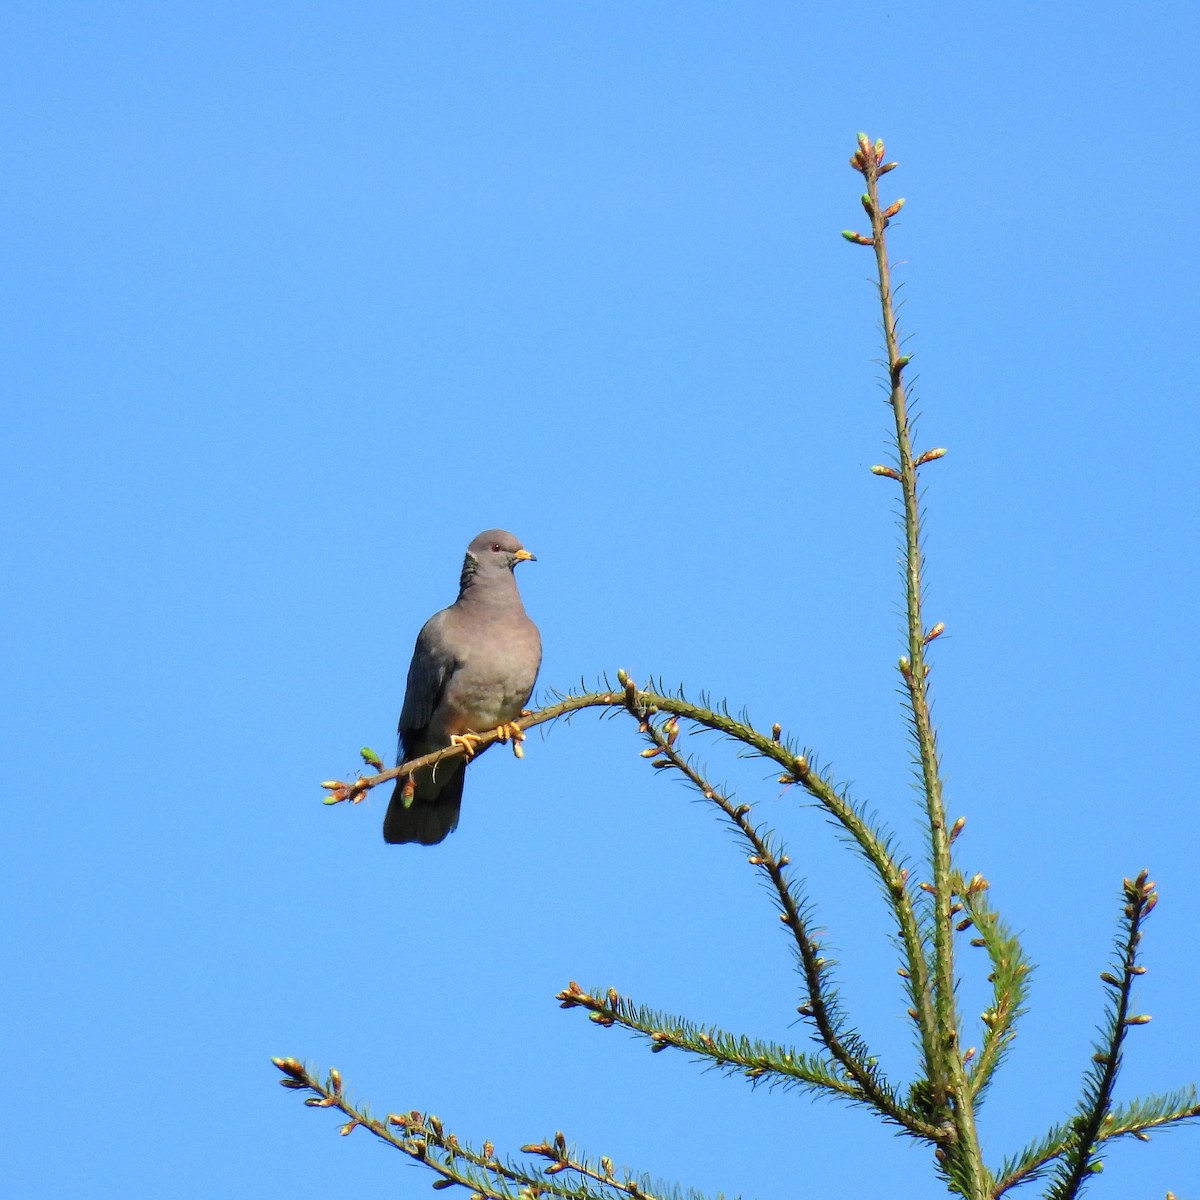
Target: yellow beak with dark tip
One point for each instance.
(525, 556)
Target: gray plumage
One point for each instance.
(473, 668)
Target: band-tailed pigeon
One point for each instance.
(473, 669)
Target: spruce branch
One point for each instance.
(949, 1091)
(1080, 1159)
(1137, 1119)
(1009, 978)
(644, 703)
(760, 1062)
(566, 1158)
(423, 1138)
(846, 1047)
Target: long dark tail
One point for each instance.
(429, 817)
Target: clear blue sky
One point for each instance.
(301, 297)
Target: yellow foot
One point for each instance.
(468, 741)
(514, 733)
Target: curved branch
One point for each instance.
(867, 1085)
(643, 703)
(422, 1138)
(1080, 1159)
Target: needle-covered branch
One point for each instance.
(646, 702)
(564, 1158)
(947, 1076)
(1009, 978)
(760, 1062)
(1081, 1159)
(355, 789)
(422, 1137)
(845, 1046)
(1138, 1119)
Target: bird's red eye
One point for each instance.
(496, 547)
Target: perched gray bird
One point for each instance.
(472, 670)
